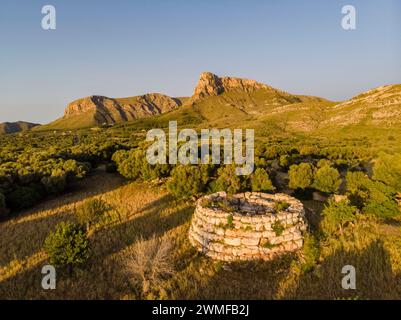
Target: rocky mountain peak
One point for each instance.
(210, 84)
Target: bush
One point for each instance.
(260, 181)
(336, 215)
(284, 161)
(324, 163)
(281, 206)
(227, 180)
(76, 170)
(56, 182)
(372, 197)
(311, 252)
(356, 181)
(387, 169)
(278, 228)
(147, 263)
(301, 176)
(133, 165)
(68, 245)
(327, 179)
(91, 212)
(188, 181)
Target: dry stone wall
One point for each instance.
(247, 226)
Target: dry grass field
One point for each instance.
(140, 211)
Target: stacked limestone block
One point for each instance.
(247, 226)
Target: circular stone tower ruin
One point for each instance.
(247, 226)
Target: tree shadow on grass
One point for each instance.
(153, 222)
(161, 203)
(375, 278)
(94, 184)
(24, 285)
(21, 240)
(101, 277)
(253, 280)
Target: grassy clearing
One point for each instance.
(141, 211)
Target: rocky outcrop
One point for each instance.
(109, 110)
(14, 127)
(210, 84)
(247, 226)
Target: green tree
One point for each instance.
(284, 160)
(387, 169)
(324, 163)
(133, 165)
(372, 197)
(260, 181)
(327, 179)
(227, 180)
(301, 176)
(356, 181)
(75, 170)
(336, 215)
(187, 181)
(68, 245)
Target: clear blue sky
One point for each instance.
(123, 48)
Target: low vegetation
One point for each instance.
(116, 227)
(68, 245)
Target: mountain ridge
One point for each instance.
(222, 101)
(15, 127)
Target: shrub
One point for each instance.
(284, 161)
(324, 163)
(311, 252)
(301, 176)
(76, 170)
(381, 202)
(188, 181)
(148, 263)
(56, 182)
(227, 180)
(133, 165)
(68, 245)
(260, 181)
(278, 228)
(327, 179)
(356, 181)
(221, 204)
(372, 197)
(91, 212)
(336, 215)
(387, 169)
(281, 206)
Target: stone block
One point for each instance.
(232, 241)
(250, 241)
